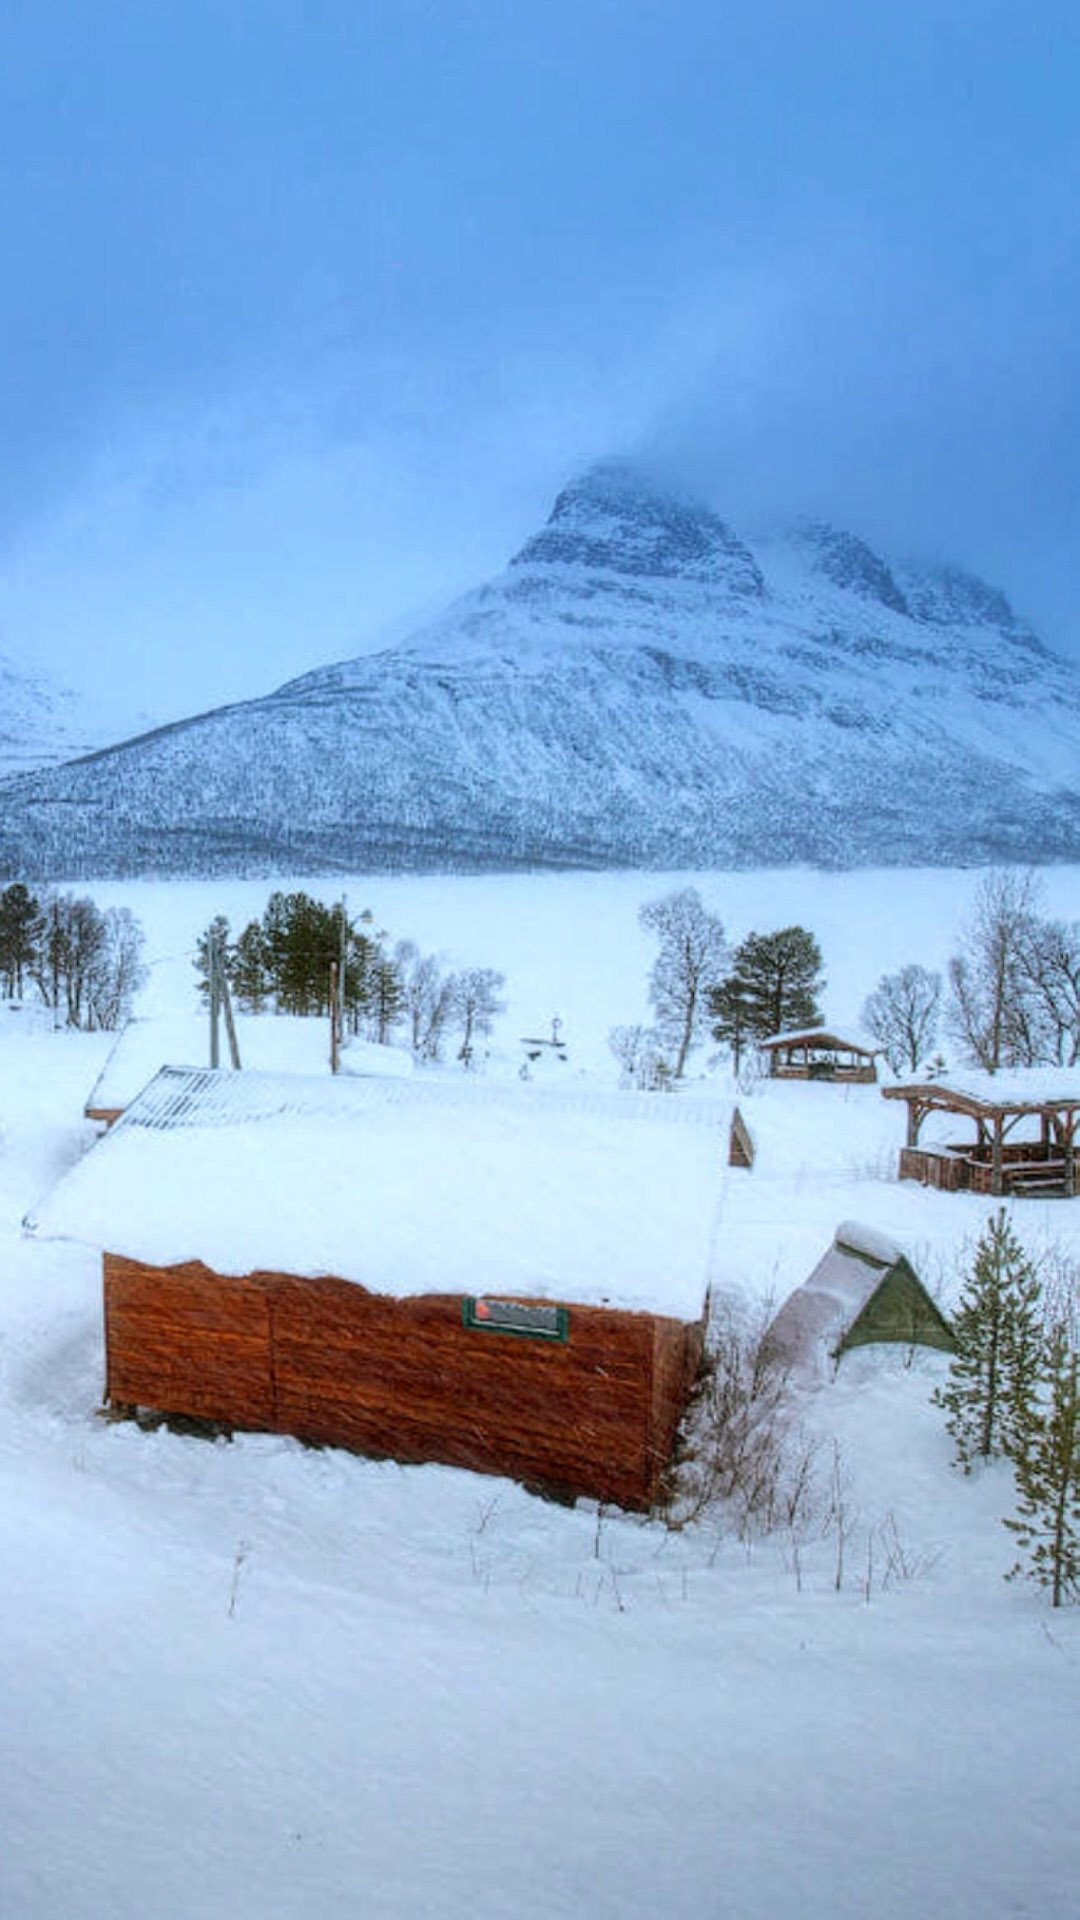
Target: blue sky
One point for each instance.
(308, 309)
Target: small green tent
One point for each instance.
(863, 1291)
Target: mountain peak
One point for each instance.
(615, 519)
(848, 562)
(629, 692)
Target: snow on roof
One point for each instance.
(429, 1185)
(815, 1037)
(269, 1043)
(867, 1242)
(1016, 1086)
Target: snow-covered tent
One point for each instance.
(863, 1290)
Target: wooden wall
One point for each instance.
(864, 1075)
(329, 1362)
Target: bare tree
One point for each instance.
(691, 960)
(902, 1015)
(1050, 972)
(644, 1064)
(990, 1010)
(428, 997)
(87, 965)
(119, 972)
(475, 1002)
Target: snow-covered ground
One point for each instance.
(257, 1679)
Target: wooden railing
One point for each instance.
(1025, 1169)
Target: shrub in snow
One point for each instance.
(742, 1450)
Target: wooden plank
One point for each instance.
(184, 1341)
(406, 1378)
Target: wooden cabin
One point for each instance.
(863, 1292)
(1021, 1135)
(504, 1279)
(817, 1055)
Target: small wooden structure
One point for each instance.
(863, 1292)
(1024, 1144)
(818, 1055)
(500, 1279)
(740, 1142)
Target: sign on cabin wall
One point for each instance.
(515, 1316)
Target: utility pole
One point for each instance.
(337, 992)
(215, 1002)
(220, 1002)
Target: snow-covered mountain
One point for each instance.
(642, 686)
(40, 723)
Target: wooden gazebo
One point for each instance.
(818, 1055)
(1025, 1141)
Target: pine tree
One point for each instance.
(215, 935)
(21, 927)
(994, 1373)
(772, 987)
(1047, 1463)
(247, 969)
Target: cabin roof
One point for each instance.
(428, 1185)
(270, 1043)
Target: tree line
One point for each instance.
(701, 987)
(1010, 998)
(300, 952)
(82, 962)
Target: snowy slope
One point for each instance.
(40, 723)
(642, 687)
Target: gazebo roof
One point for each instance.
(989, 1096)
(816, 1037)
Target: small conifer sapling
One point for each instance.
(993, 1376)
(1047, 1464)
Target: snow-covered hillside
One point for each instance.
(643, 686)
(254, 1678)
(40, 723)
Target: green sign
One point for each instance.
(515, 1316)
